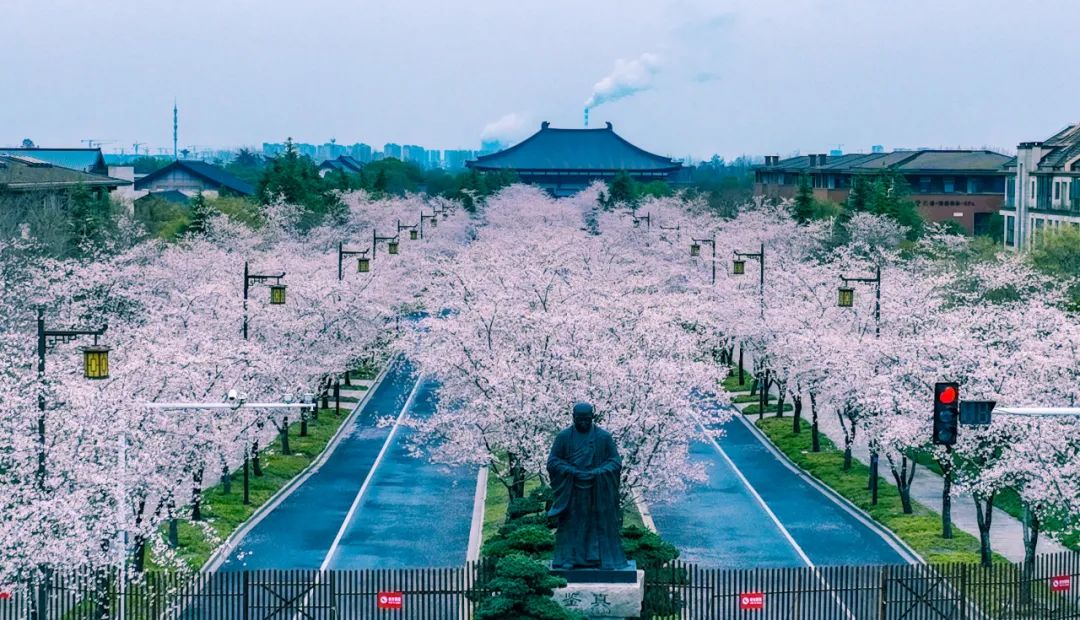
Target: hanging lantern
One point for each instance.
(412, 235)
(738, 267)
(434, 222)
(363, 265)
(695, 249)
(96, 362)
(277, 294)
(846, 297)
(392, 247)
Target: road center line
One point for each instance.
(371, 474)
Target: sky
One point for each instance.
(685, 78)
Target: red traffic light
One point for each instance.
(947, 395)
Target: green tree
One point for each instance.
(247, 165)
(295, 179)
(523, 589)
(92, 214)
(804, 205)
(621, 190)
(1056, 253)
(201, 212)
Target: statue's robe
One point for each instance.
(587, 511)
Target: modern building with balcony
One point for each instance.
(961, 186)
(1043, 187)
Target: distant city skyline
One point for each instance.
(685, 78)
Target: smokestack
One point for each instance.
(586, 118)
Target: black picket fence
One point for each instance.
(1050, 591)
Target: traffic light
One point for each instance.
(946, 413)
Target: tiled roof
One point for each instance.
(904, 161)
(574, 150)
(344, 163)
(22, 173)
(213, 174)
(86, 160)
(169, 195)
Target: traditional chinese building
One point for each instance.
(565, 161)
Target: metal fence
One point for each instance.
(1050, 591)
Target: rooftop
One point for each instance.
(86, 160)
(975, 161)
(21, 173)
(208, 172)
(575, 150)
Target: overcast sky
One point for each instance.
(710, 76)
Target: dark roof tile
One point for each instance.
(574, 149)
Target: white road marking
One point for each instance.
(371, 474)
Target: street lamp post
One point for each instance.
(95, 366)
(391, 243)
(409, 227)
(638, 219)
(845, 298)
(739, 268)
(695, 250)
(277, 290)
(433, 218)
(362, 264)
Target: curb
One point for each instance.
(217, 558)
(888, 535)
(476, 529)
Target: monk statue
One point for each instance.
(584, 467)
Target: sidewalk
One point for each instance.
(1006, 532)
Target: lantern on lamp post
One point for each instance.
(391, 245)
(846, 297)
(362, 263)
(277, 290)
(695, 251)
(95, 366)
(738, 266)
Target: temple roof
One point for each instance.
(574, 150)
(207, 172)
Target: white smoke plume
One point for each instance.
(507, 129)
(628, 77)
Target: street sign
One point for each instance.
(1062, 583)
(390, 600)
(751, 600)
(976, 412)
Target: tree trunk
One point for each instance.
(517, 479)
(903, 480)
(138, 557)
(875, 461)
(754, 385)
(815, 438)
(984, 512)
(796, 422)
(1031, 543)
(741, 380)
(780, 400)
(226, 479)
(303, 423)
(256, 464)
(196, 495)
(174, 534)
(285, 437)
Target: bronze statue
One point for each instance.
(584, 466)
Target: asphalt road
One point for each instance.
(755, 512)
(411, 513)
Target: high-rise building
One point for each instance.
(415, 154)
(454, 159)
(392, 150)
(360, 152)
(434, 159)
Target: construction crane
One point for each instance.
(137, 145)
(95, 142)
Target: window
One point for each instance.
(1057, 190)
(950, 185)
(1010, 233)
(924, 185)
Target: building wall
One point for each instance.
(179, 180)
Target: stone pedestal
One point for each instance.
(602, 595)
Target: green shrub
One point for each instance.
(522, 588)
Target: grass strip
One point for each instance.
(224, 512)
(920, 530)
(769, 409)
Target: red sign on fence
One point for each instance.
(751, 600)
(390, 600)
(4, 595)
(1061, 584)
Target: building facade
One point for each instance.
(1043, 187)
(566, 161)
(193, 177)
(966, 187)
